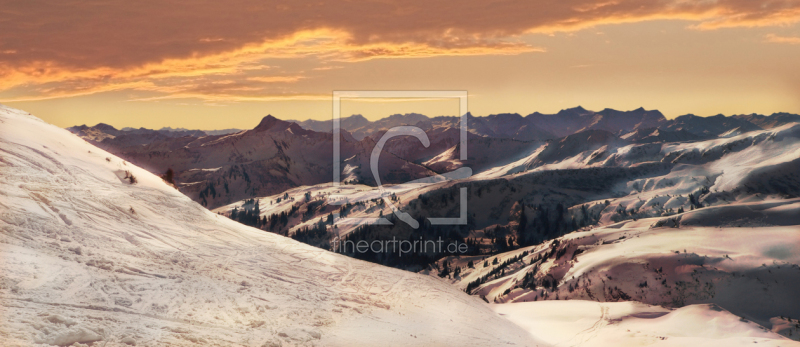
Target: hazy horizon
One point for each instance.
(222, 66)
(373, 117)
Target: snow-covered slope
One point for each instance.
(751, 271)
(652, 135)
(588, 324)
(86, 256)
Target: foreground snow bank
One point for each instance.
(752, 272)
(588, 323)
(88, 257)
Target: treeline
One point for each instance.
(250, 214)
(496, 272)
(317, 236)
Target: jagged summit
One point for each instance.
(272, 124)
(708, 126)
(505, 116)
(577, 109)
(104, 126)
(771, 121)
(572, 120)
(405, 119)
(268, 123)
(356, 117)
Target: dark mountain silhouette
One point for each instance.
(708, 126)
(768, 122)
(573, 120)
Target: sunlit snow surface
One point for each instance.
(86, 256)
(728, 286)
(589, 323)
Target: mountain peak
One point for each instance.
(104, 126)
(576, 111)
(505, 115)
(267, 123)
(356, 117)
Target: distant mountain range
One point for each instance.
(535, 126)
(539, 126)
(274, 156)
(180, 130)
(102, 131)
(218, 167)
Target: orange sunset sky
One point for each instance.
(223, 64)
